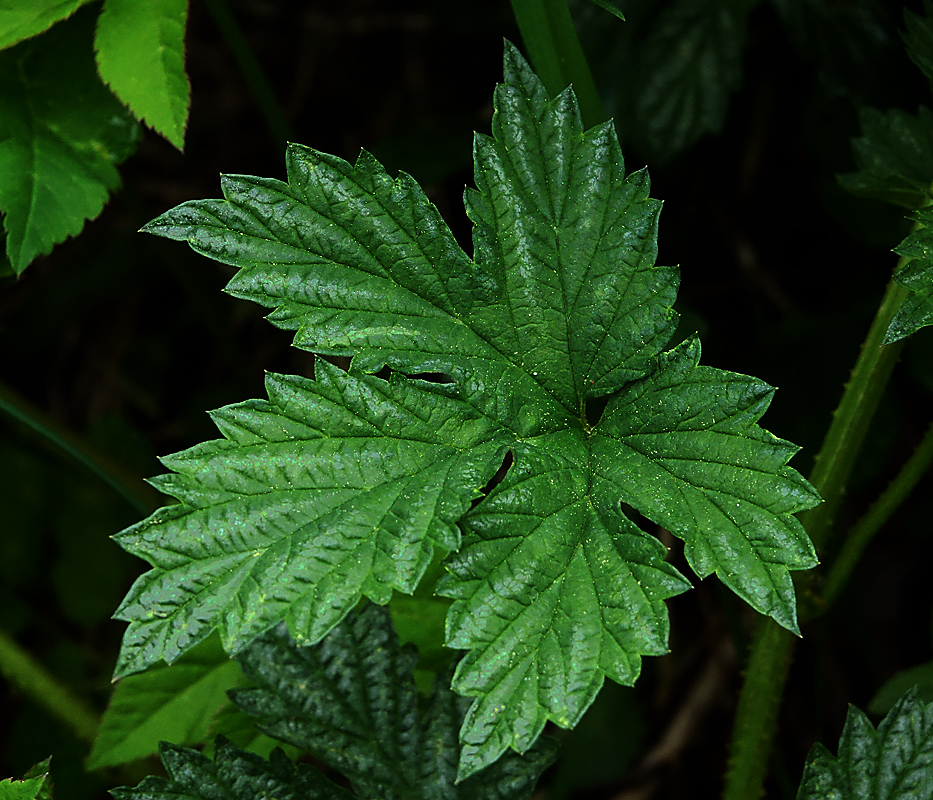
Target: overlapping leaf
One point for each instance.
(345, 485)
(22, 20)
(61, 135)
(917, 275)
(894, 762)
(351, 700)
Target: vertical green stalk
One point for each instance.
(39, 685)
(763, 687)
(548, 32)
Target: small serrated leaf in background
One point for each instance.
(916, 312)
(894, 762)
(35, 785)
(140, 48)
(894, 157)
(62, 133)
(351, 701)
(23, 19)
(234, 774)
(176, 703)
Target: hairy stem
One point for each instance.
(763, 687)
(555, 51)
(865, 529)
(40, 686)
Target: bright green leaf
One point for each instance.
(351, 700)
(140, 48)
(234, 774)
(894, 156)
(894, 762)
(23, 19)
(917, 275)
(61, 135)
(36, 785)
(344, 486)
(175, 703)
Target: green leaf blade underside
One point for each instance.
(234, 774)
(174, 703)
(916, 312)
(140, 46)
(894, 762)
(351, 701)
(61, 136)
(344, 486)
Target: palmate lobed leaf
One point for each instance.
(344, 486)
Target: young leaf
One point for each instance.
(175, 703)
(233, 775)
(917, 275)
(36, 785)
(351, 700)
(20, 20)
(894, 156)
(140, 48)
(61, 135)
(343, 486)
(893, 763)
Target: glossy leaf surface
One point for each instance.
(894, 762)
(345, 486)
(917, 275)
(351, 700)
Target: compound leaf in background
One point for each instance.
(234, 774)
(894, 156)
(140, 48)
(894, 762)
(23, 19)
(351, 700)
(916, 311)
(346, 485)
(61, 136)
(176, 703)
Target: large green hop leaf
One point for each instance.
(351, 700)
(344, 486)
(894, 762)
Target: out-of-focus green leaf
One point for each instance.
(61, 135)
(347, 485)
(919, 38)
(234, 774)
(140, 48)
(351, 700)
(917, 275)
(894, 762)
(894, 156)
(174, 703)
(22, 19)
(919, 677)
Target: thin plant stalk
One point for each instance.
(556, 54)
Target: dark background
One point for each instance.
(127, 340)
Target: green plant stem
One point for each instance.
(763, 687)
(556, 54)
(131, 488)
(255, 78)
(40, 686)
(879, 513)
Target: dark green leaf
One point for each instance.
(893, 763)
(896, 687)
(351, 700)
(894, 156)
(917, 275)
(606, 5)
(346, 485)
(61, 135)
(919, 38)
(234, 774)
